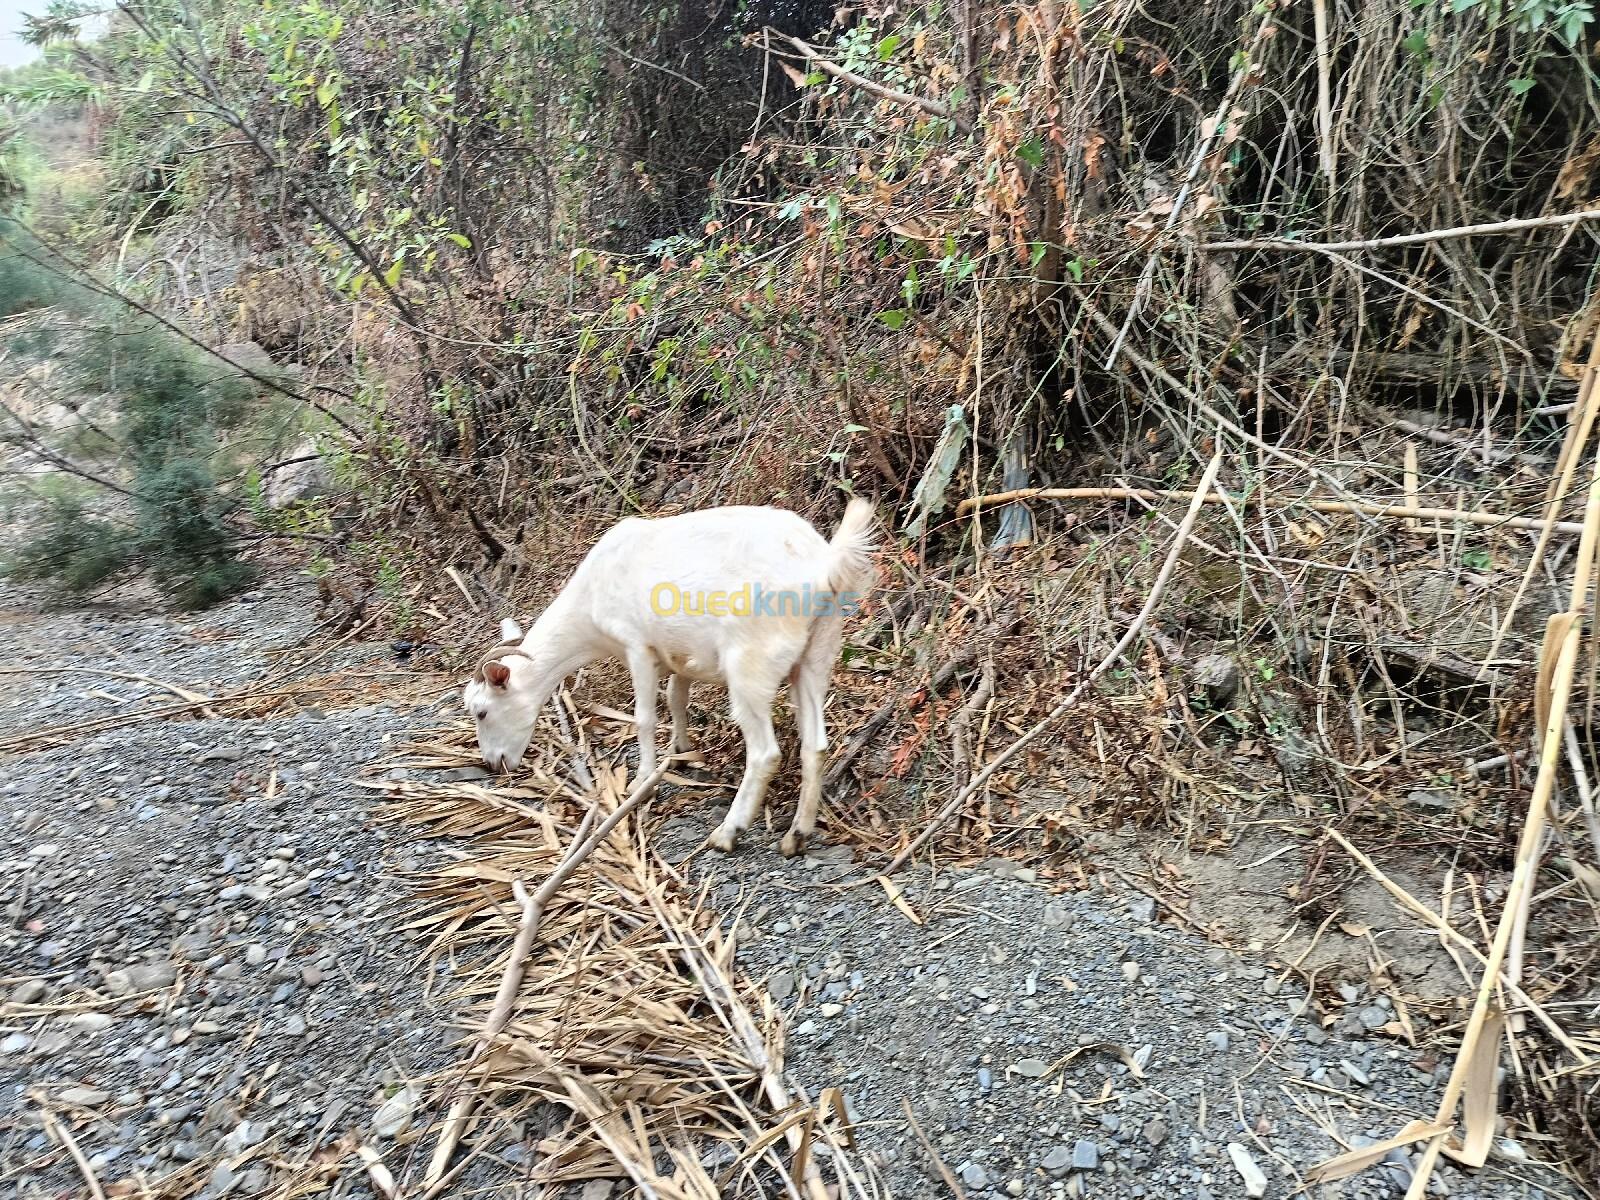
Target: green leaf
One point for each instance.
(888, 46)
(1032, 152)
(1074, 268)
(894, 318)
(1036, 251)
(1416, 43)
(814, 78)
(1520, 87)
(326, 91)
(392, 275)
(461, 240)
(854, 429)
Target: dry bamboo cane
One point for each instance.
(1563, 639)
(1363, 508)
(1179, 540)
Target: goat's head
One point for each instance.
(500, 698)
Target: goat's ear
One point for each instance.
(497, 673)
(510, 631)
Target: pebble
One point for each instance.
(83, 1097)
(1015, 1187)
(1031, 1068)
(1057, 1161)
(1218, 1040)
(974, 1176)
(1085, 1155)
(781, 985)
(1130, 972)
(1255, 1183)
(255, 954)
(29, 991)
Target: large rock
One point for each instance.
(304, 475)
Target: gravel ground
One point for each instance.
(199, 958)
(196, 917)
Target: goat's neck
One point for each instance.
(561, 641)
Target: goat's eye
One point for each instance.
(478, 716)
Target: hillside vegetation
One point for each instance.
(509, 272)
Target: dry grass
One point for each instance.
(632, 1032)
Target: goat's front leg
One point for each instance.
(752, 709)
(642, 666)
(678, 704)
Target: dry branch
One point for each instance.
(935, 108)
(1410, 239)
(583, 845)
(1363, 508)
(1180, 539)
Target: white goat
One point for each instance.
(746, 597)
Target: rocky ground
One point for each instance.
(202, 978)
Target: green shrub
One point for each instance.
(161, 471)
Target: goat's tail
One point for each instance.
(853, 545)
(849, 576)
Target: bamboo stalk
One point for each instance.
(1477, 1055)
(1363, 508)
(1580, 424)
(1179, 540)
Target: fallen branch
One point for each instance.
(936, 108)
(1180, 539)
(1410, 239)
(583, 845)
(1387, 511)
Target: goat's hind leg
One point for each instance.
(751, 703)
(808, 693)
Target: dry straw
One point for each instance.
(617, 1003)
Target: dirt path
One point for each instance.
(202, 977)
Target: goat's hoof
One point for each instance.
(723, 840)
(793, 843)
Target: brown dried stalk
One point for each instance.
(583, 845)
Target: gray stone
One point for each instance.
(1217, 675)
(781, 985)
(1218, 1040)
(974, 1176)
(1085, 1155)
(1057, 1161)
(1255, 1182)
(29, 991)
(1031, 1068)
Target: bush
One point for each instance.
(152, 503)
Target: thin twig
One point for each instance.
(935, 108)
(62, 1134)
